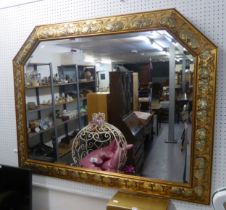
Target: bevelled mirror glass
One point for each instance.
(124, 101)
(64, 77)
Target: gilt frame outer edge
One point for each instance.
(199, 189)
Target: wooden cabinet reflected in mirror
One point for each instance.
(149, 79)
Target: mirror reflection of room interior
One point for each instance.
(142, 82)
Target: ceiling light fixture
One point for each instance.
(143, 38)
(166, 35)
(154, 34)
(176, 44)
(168, 38)
(89, 59)
(149, 40)
(156, 45)
(106, 61)
(134, 51)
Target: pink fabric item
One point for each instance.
(112, 163)
(106, 158)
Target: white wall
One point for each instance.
(74, 58)
(103, 69)
(41, 56)
(16, 23)
(54, 199)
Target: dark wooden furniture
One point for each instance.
(138, 131)
(133, 126)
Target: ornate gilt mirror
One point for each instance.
(153, 76)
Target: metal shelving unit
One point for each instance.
(60, 128)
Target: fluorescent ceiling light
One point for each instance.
(143, 38)
(98, 64)
(134, 51)
(154, 34)
(176, 44)
(166, 35)
(150, 41)
(157, 46)
(89, 59)
(106, 61)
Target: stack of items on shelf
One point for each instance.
(67, 115)
(34, 79)
(38, 125)
(31, 106)
(63, 99)
(65, 79)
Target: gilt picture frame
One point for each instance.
(199, 188)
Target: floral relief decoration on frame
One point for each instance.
(206, 62)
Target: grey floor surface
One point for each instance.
(166, 161)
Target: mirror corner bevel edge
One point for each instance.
(206, 63)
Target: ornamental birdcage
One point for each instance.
(97, 135)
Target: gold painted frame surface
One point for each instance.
(205, 52)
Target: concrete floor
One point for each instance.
(166, 161)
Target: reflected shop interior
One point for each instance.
(142, 82)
